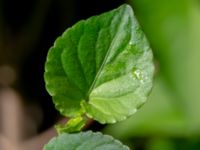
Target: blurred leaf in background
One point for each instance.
(173, 29)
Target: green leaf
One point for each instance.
(101, 67)
(73, 125)
(84, 141)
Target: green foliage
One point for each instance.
(73, 125)
(84, 141)
(101, 67)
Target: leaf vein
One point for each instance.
(104, 61)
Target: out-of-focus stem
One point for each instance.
(11, 118)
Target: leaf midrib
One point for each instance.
(106, 56)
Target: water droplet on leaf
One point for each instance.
(138, 74)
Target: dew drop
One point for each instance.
(138, 74)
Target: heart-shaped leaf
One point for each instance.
(84, 141)
(101, 67)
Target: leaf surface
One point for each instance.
(101, 67)
(84, 141)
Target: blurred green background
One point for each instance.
(170, 120)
